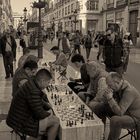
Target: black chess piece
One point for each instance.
(67, 123)
(55, 102)
(75, 122)
(55, 96)
(82, 113)
(52, 96)
(72, 98)
(81, 121)
(66, 92)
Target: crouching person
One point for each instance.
(30, 112)
(122, 106)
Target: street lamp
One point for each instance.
(40, 4)
(25, 16)
(75, 21)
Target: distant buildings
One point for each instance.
(6, 18)
(93, 15)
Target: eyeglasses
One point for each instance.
(109, 35)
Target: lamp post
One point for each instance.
(75, 18)
(25, 17)
(40, 4)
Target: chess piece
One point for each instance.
(67, 123)
(55, 96)
(52, 96)
(66, 92)
(75, 122)
(55, 102)
(81, 121)
(72, 98)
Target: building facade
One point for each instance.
(70, 15)
(124, 12)
(6, 18)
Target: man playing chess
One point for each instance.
(61, 59)
(121, 102)
(30, 112)
(92, 77)
(60, 63)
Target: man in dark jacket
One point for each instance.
(23, 74)
(113, 52)
(29, 111)
(8, 46)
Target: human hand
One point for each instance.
(72, 79)
(108, 93)
(51, 112)
(79, 87)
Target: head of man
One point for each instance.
(30, 68)
(78, 60)
(110, 34)
(43, 77)
(114, 81)
(55, 50)
(7, 33)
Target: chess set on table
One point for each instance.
(77, 121)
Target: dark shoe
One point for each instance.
(7, 77)
(12, 75)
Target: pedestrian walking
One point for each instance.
(100, 41)
(127, 43)
(113, 52)
(8, 47)
(65, 45)
(88, 44)
(77, 42)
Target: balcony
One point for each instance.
(121, 3)
(134, 1)
(110, 6)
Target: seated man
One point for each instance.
(29, 111)
(92, 77)
(122, 105)
(23, 74)
(60, 63)
(26, 57)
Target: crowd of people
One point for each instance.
(104, 90)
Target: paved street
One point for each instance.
(5, 85)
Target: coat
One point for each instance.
(3, 44)
(27, 109)
(113, 53)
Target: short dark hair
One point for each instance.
(77, 58)
(26, 50)
(30, 64)
(43, 73)
(54, 48)
(116, 75)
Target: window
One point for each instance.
(63, 12)
(59, 13)
(68, 9)
(72, 7)
(110, 1)
(92, 4)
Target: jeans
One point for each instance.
(119, 122)
(88, 52)
(73, 85)
(8, 63)
(50, 126)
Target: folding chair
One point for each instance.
(63, 74)
(132, 133)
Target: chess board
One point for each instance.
(77, 121)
